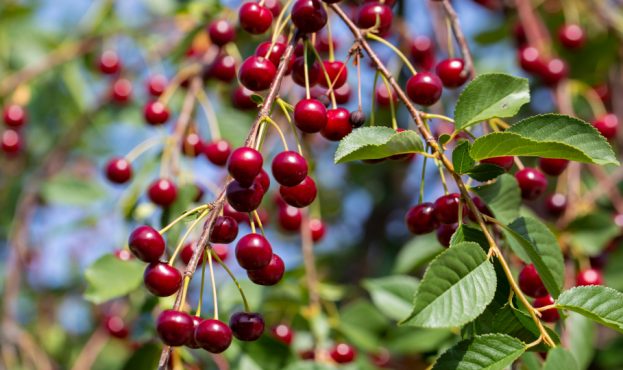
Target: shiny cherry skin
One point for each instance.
(424, 88)
(276, 51)
(300, 195)
(123, 254)
(191, 342)
(308, 16)
(337, 72)
(447, 208)
(274, 6)
(162, 192)
(383, 97)
(506, 162)
(310, 115)
(223, 68)
(247, 326)
(14, 115)
(109, 63)
(289, 218)
(607, 125)
(556, 204)
(121, 91)
(289, 168)
(450, 71)
(530, 282)
(318, 229)
(257, 73)
(161, 279)
(221, 250)
(217, 152)
(589, 276)
(553, 71)
(263, 180)
(175, 328)
(116, 327)
(553, 166)
(423, 52)
(420, 219)
(187, 253)
(224, 230)
(445, 232)
(343, 353)
(551, 315)
(531, 182)
(192, 145)
(244, 165)
(241, 98)
(283, 333)
(314, 72)
(118, 170)
(270, 274)
(221, 32)
(338, 124)
(213, 335)
(370, 13)
(243, 198)
(156, 85)
(571, 36)
(253, 252)
(156, 113)
(146, 244)
(530, 60)
(254, 18)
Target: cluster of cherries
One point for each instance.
(14, 118)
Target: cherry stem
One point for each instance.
(438, 116)
(276, 126)
(329, 35)
(183, 216)
(358, 63)
(252, 223)
(278, 26)
(284, 108)
(306, 72)
(203, 275)
(399, 53)
(142, 148)
(211, 118)
(233, 278)
(373, 108)
(180, 243)
(468, 66)
(449, 40)
(326, 75)
(213, 281)
(442, 176)
(307, 246)
(423, 177)
(392, 108)
(259, 222)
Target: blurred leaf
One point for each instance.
(267, 352)
(70, 190)
(392, 295)
(560, 358)
(580, 335)
(503, 198)
(590, 233)
(377, 142)
(416, 253)
(309, 365)
(601, 304)
(146, 357)
(485, 172)
(409, 340)
(109, 277)
(493, 35)
(234, 124)
(490, 351)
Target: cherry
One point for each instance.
(482, 208)
(247, 326)
(298, 72)
(223, 68)
(445, 232)
(175, 328)
(263, 180)
(121, 91)
(604, 92)
(607, 125)
(289, 218)
(192, 145)
(338, 124)
(228, 210)
(156, 113)
(217, 151)
(530, 282)
(531, 182)
(14, 115)
(161, 279)
(162, 192)
(310, 115)
(420, 219)
(244, 164)
(123, 254)
(317, 228)
(276, 51)
(337, 73)
(224, 230)
(191, 342)
(300, 195)
(156, 85)
(519, 34)
(242, 198)
(116, 327)
(255, 18)
(270, 274)
(374, 14)
(109, 63)
(342, 94)
(253, 252)
(589, 276)
(357, 118)
(550, 315)
(383, 96)
(424, 88)
(447, 208)
(289, 168)
(221, 32)
(308, 16)
(187, 254)
(221, 251)
(556, 204)
(553, 71)
(118, 170)
(553, 166)
(381, 358)
(146, 243)
(571, 36)
(422, 52)
(283, 333)
(530, 59)
(450, 71)
(213, 335)
(506, 162)
(274, 6)
(241, 98)
(343, 353)
(257, 73)
(323, 44)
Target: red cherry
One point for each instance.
(270, 274)
(221, 32)
(192, 145)
(556, 204)
(247, 326)
(175, 328)
(317, 228)
(531, 182)
(530, 282)
(274, 6)
(116, 327)
(156, 85)
(375, 14)
(553, 166)
(213, 335)
(223, 68)
(276, 51)
(450, 71)
(121, 91)
(550, 315)
(447, 208)
(571, 36)
(337, 72)
(424, 88)
(228, 210)
(289, 218)
(519, 34)
(162, 192)
(342, 94)
(383, 96)
(589, 277)
(221, 251)
(187, 254)
(310, 115)
(506, 162)
(254, 18)
(530, 60)
(338, 124)
(445, 232)
(161, 279)
(123, 254)
(283, 333)
(191, 342)
(146, 244)
(241, 98)
(289, 168)
(420, 219)
(257, 73)
(308, 16)
(298, 72)
(109, 63)
(225, 230)
(554, 71)
(300, 195)
(156, 113)
(422, 52)
(14, 115)
(381, 358)
(323, 43)
(244, 199)
(217, 152)
(264, 180)
(343, 353)
(244, 165)
(607, 125)
(253, 252)
(118, 170)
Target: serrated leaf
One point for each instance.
(109, 277)
(461, 159)
(377, 143)
(534, 243)
(456, 288)
(503, 198)
(547, 136)
(392, 295)
(485, 172)
(417, 252)
(489, 351)
(488, 96)
(466, 233)
(599, 303)
(559, 358)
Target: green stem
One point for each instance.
(233, 277)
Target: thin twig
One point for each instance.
(468, 67)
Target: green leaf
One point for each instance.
(109, 277)
(409, 340)
(559, 358)
(599, 303)
(580, 335)
(392, 295)
(417, 252)
(67, 189)
(534, 243)
(309, 365)
(461, 159)
(456, 288)
(485, 172)
(489, 351)
(466, 233)
(146, 357)
(503, 198)
(377, 142)
(547, 136)
(488, 96)
(592, 232)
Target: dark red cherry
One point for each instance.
(289, 218)
(253, 252)
(191, 342)
(447, 208)
(14, 115)
(255, 18)
(109, 63)
(556, 204)
(607, 125)
(225, 230)
(420, 219)
(162, 192)
(247, 326)
(553, 166)
(589, 276)
(317, 228)
(531, 182)
(422, 52)
(244, 165)
(424, 88)
(175, 328)
(298, 72)
(374, 14)
(571, 36)
(187, 254)
(264, 180)
(338, 124)
(118, 170)
(156, 85)
(223, 68)
(156, 113)
(213, 335)
(337, 72)
(530, 60)
(506, 162)
(116, 327)
(121, 91)
(343, 353)
(310, 115)
(342, 94)
(257, 73)
(230, 211)
(221, 32)
(270, 274)
(550, 315)
(146, 244)
(244, 199)
(283, 333)
(308, 16)
(161, 279)
(221, 251)
(217, 151)
(445, 232)
(357, 118)
(274, 6)
(383, 96)
(276, 51)
(530, 282)
(450, 71)
(241, 98)
(300, 195)
(192, 145)
(554, 71)
(289, 168)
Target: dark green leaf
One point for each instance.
(461, 160)
(377, 142)
(485, 172)
(146, 357)
(466, 233)
(503, 198)
(490, 351)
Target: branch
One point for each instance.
(91, 350)
(468, 67)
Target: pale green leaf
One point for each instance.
(599, 303)
(392, 295)
(483, 352)
(559, 358)
(376, 143)
(109, 277)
